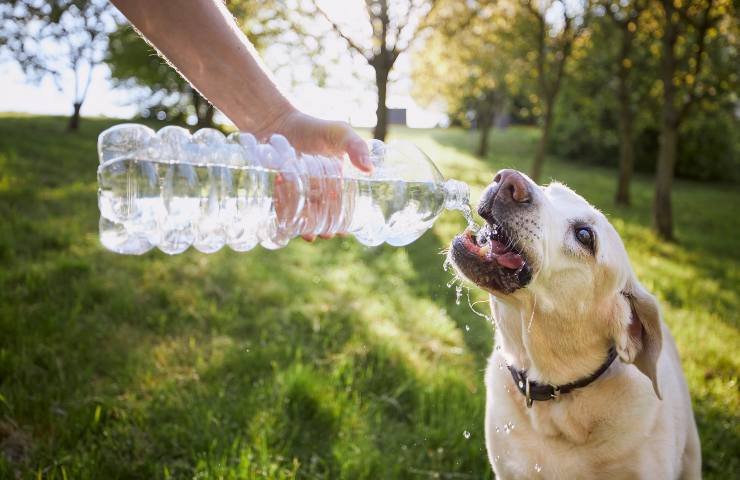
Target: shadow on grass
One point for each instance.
(317, 361)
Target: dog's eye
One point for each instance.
(585, 237)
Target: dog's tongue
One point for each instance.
(504, 257)
(510, 260)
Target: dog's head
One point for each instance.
(550, 244)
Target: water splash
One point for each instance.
(508, 427)
(467, 327)
(472, 307)
(468, 214)
(466, 434)
(458, 294)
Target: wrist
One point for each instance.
(270, 119)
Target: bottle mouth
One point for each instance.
(457, 194)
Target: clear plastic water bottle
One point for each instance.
(171, 190)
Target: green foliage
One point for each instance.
(135, 63)
(324, 360)
(586, 118)
(57, 38)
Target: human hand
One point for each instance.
(324, 137)
(331, 138)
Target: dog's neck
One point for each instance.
(552, 346)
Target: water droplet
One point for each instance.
(466, 434)
(497, 347)
(458, 294)
(467, 328)
(508, 427)
(451, 282)
(498, 430)
(496, 459)
(500, 365)
(537, 467)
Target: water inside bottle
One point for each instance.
(171, 205)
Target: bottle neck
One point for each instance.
(457, 195)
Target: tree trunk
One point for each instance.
(205, 120)
(484, 125)
(539, 158)
(626, 147)
(74, 121)
(663, 210)
(668, 149)
(381, 80)
(204, 111)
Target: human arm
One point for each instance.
(203, 42)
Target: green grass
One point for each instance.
(325, 360)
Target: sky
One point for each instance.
(348, 95)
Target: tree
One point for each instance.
(54, 38)
(135, 63)
(687, 31)
(553, 44)
(393, 30)
(467, 64)
(625, 16)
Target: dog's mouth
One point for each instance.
(491, 258)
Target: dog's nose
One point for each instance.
(509, 187)
(513, 186)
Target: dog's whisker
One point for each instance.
(531, 317)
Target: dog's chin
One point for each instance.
(489, 260)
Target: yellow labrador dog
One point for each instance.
(585, 380)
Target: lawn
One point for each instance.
(324, 360)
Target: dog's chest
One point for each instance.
(536, 442)
(539, 444)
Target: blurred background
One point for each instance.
(333, 360)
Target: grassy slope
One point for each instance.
(316, 361)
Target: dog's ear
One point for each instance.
(641, 341)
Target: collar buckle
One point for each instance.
(555, 393)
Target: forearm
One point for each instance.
(212, 53)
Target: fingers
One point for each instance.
(341, 138)
(358, 152)
(310, 237)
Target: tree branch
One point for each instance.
(339, 32)
(423, 25)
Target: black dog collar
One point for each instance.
(544, 391)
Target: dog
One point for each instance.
(585, 380)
